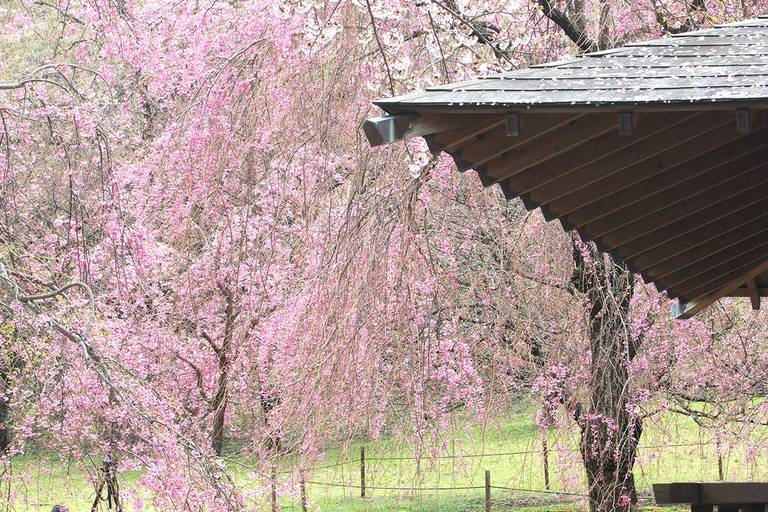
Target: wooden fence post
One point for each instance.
(273, 494)
(487, 491)
(303, 492)
(545, 453)
(362, 471)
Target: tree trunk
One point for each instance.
(220, 398)
(5, 431)
(219, 407)
(609, 432)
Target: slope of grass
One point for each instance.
(511, 449)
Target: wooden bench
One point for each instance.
(704, 497)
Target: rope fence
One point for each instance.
(384, 474)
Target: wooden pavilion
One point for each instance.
(657, 152)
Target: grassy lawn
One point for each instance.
(509, 449)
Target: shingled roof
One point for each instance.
(657, 151)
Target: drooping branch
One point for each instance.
(576, 32)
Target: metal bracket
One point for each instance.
(512, 124)
(625, 123)
(742, 121)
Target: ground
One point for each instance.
(672, 449)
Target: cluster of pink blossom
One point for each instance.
(246, 268)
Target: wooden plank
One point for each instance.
(733, 274)
(603, 146)
(729, 255)
(391, 128)
(734, 492)
(685, 211)
(690, 174)
(737, 224)
(684, 492)
(706, 245)
(634, 221)
(743, 292)
(560, 141)
(754, 293)
(453, 140)
(532, 127)
(723, 494)
(582, 188)
(717, 211)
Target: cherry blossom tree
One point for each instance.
(197, 245)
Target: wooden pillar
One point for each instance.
(487, 491)
(545, 454)
(362, 471)
(273, 493)
(303, 492)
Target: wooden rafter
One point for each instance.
(754, 293)
(606, 146)
(559, 142)
(740, 221)
(664, 187)
(691, 307)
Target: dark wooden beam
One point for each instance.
(451, 141)
(633, 222)
(606, 146)
(744, 292)
(754, 293)
(717, 259)
(391, 128)
(654, 155)
(496, 143)
(719, 199)
(679, 240)
(708, 244)
(717, 277)
(558, 142)
(711, 216)
(700, 173)
(691, 307)
(716, 143)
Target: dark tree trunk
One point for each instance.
(219, 407)
(609, 432)
(220, 398)
(9, 363)
(5, 430)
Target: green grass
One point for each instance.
(509, 448)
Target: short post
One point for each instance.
(303, 491)
(362, 471)
(720, 467)
(545, 454)
(273, 493)
(487, 491)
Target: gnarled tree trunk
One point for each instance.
(609, 432)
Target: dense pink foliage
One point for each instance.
(199, 166)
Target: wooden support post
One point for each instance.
(303, 492)
(545, 454)
(720, 467)
(362, 471)
(754, 293)
(273, 493)
(487, 491)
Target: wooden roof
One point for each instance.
(657, 151)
